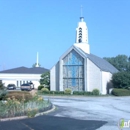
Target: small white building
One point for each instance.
(22, 75)
(80, 70)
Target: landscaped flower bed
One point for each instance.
(12, 107)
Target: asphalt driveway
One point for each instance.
(46, 122)
(77, 113)
(109, 109)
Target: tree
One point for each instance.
(34, 65)
(45, 79)
(121, 62)
(3, 91)
(121, 80)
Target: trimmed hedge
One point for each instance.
(58, 92)
(120, 92)
(82, 93)
(88, 93)
(19, 95)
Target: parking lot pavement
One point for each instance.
(77, 113)
(109, 109)
(46, 122)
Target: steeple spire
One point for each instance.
(81, 14)
(81, 11)
(82, 35)
(37, 64)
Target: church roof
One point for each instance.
(99, 62)
(25, 70)
(102, 63)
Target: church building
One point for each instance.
(80, 70)
(22, 75)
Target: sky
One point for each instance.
(49, 27)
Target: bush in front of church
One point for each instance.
(45, 91)
(67, 91)
(96, 92)
(120, 92)
(86, 93)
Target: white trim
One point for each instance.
(70, 49)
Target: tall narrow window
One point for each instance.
(73, 71)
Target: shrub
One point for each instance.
(120, 92)
(78, 92)
(95, 92)
(31, 112)
(45, 90)
(52, 92)
(19, 95)
(58, 92)
(40, 87)
(67, 91)
(13, 107)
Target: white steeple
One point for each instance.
(37, 64)
(82, 30)
(82, 35)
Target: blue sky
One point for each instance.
(48, 27)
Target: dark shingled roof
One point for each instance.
(100, 62)
(25, 70)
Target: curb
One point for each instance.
(46, 112)
(25, 117)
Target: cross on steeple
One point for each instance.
(81, 14)
(81, 11)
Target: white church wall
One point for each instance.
(106, 77)
(54, 77)
(85, 75)
(83, 46)
(93, 76)
(6, 82)
(19, 79)
(61, 75)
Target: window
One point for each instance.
(73, 71)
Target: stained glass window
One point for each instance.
(73, 68)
